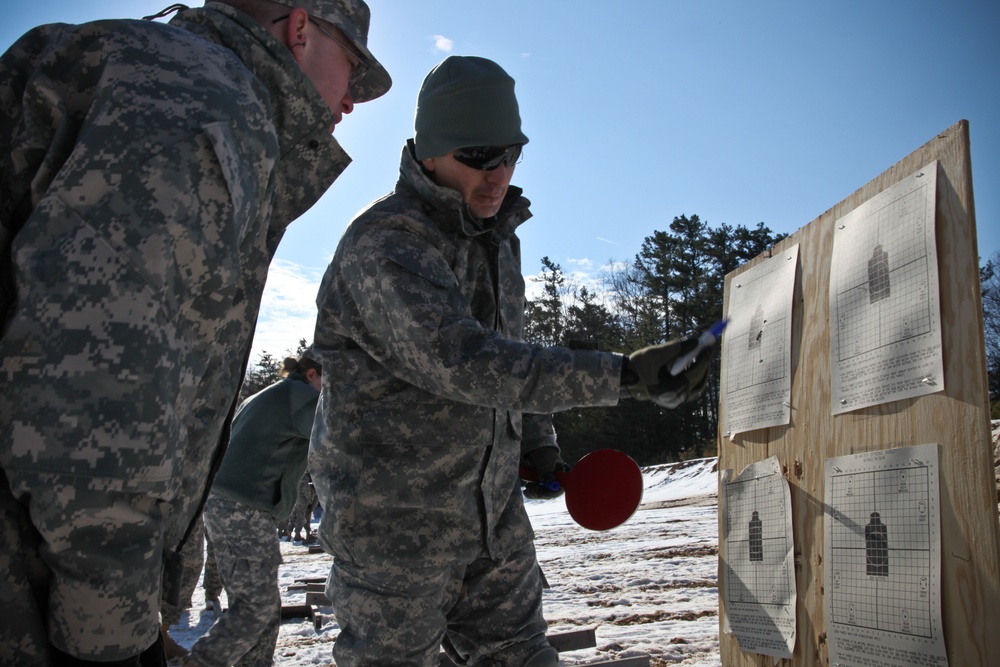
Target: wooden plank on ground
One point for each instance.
(573, 640)
(560, 641)
(296, 611)
(636, 661)
(317, 598)
(307, 588)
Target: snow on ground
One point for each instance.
(649, 586)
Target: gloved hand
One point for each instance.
(646, 373)
(547, 462)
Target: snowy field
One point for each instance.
(649, 586)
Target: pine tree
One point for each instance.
(266, 371)
(544, 318)
(989, 280)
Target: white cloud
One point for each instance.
(442, 43)
(578, 272)
(287, 310)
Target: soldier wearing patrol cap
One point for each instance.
(147, 174)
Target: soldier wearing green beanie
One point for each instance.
(466, 101)
(431, 398)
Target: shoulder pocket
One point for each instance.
(245, 176)
(428, 265)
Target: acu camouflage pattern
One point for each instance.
(139, 209)
(419, 427)
(430, 394)
(391, 614)
(211, 581)
(248, 555)
(352, 17)
(301, 517)
(192, 557)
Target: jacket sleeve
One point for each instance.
(537, 432)
(415, 320)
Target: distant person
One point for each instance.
(431, 396)
(300, 520)
(256, 487)
(211, 582)
(147, 174)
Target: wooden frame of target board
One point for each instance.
(956, 418)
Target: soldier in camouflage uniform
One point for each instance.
(431, 396)
(301, 517)
(256, 487)
(147, 173)
(212, 582)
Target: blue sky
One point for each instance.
(740, 112)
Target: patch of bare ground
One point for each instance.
(692, 551)
(680, 502)
(683, 583)
(658, 616)
(649, 587)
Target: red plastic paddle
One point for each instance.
(603, 490)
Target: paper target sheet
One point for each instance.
(885, 319)
(882, 559)
(759, 575)
(757, 345)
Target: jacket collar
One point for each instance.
(310, 158)
(450, 211)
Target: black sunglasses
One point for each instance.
(488, 158)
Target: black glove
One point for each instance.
(646, 373)
(546, 462)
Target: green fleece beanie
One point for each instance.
(466, 101)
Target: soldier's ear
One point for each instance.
(294, 35)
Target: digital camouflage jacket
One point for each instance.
(429, 391)
(147, 173)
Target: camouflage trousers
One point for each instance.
(487, 612)
(212, 582)
(192, 560)
(248, 556)
(305, 503)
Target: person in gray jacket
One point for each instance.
(254, 491)
(431, 397)
(147, 173)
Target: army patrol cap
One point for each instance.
(352, 17)
(466, 101)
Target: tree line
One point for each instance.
(989, 281)
(672, 288)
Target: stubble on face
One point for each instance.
(482, 191)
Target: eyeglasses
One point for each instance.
(488, 158)
(359, 67)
